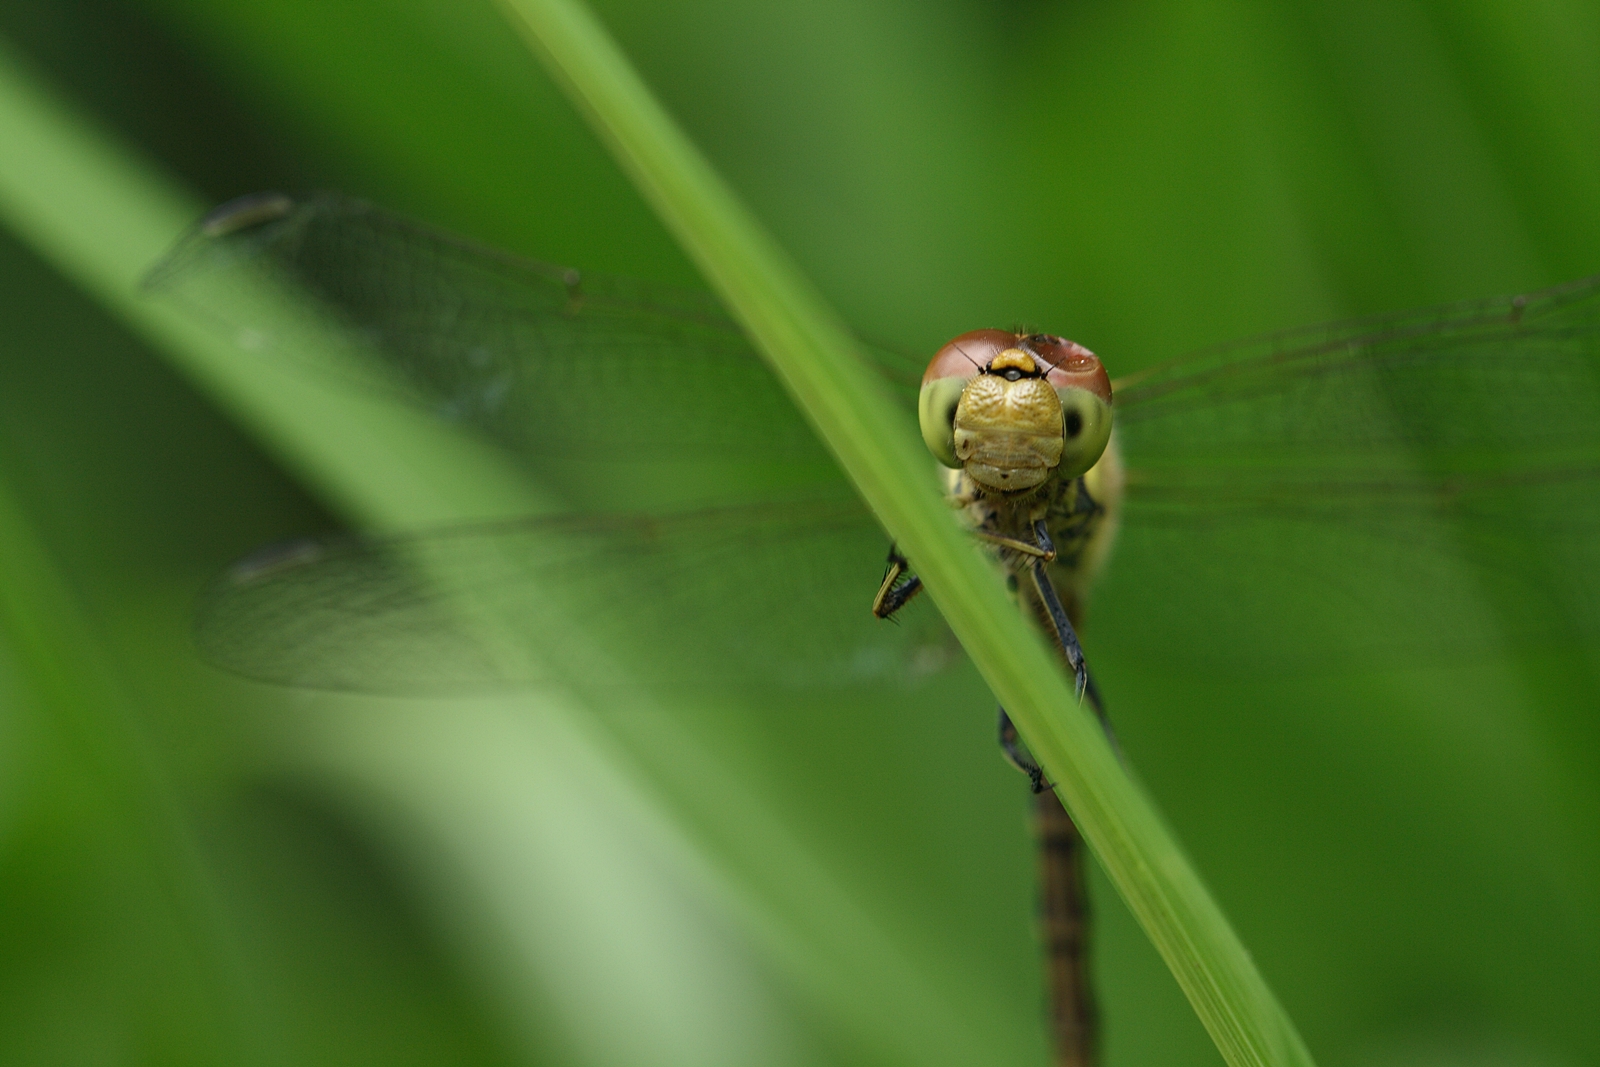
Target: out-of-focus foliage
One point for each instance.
(198, 870)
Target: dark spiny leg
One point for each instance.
(1066, 637)
(1017, 754)
(898, 587)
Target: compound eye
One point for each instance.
(952, 367)
(967, 355)
(1085, 429)
(1069, 362)
(936, 417)
(1085, 391)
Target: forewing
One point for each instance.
(1421, 482)
(550, 361)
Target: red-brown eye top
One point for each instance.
(967, 355)
(1070, 364)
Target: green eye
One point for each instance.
(936, 415)
(1085, 429)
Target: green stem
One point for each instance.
(813, 354)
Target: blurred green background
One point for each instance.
(197, 870)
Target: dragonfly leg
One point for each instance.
(1017, 754)
(1065, 635)
(1046, 551)
(898, 587)
(1067, 638)
(1046, 548)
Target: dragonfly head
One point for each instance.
(1015, 409)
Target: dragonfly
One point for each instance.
(1413, 485)
(1022, 422)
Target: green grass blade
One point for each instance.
(813, 354)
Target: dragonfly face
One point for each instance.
(1014, 410)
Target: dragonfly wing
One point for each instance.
(548, 360)
(1433, 475)
(762, 596)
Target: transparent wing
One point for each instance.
(770, 596)
(1426, 481)
(548, 360)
